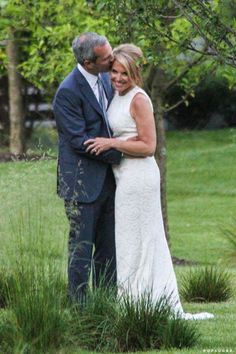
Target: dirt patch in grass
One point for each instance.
(8, 157)
(182, 262)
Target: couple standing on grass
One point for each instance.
(108, 177)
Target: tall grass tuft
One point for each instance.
(92, 324)
(9, 334)
(36, 300)
(141, 324)
(124, 324)
(6, 280)
(144, 325)
(37, 290)
(208, 284)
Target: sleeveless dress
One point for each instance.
(144, 263)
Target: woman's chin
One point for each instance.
(122, 91)
(119, 89)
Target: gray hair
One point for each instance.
(84, 44)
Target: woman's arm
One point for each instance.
(142, 145)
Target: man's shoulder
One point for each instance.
(67, 88)
(71, 84)
(69, 81)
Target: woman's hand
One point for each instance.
(98, 145)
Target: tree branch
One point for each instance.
(184, 72)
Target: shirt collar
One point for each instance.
(92, 79)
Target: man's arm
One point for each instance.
(70, 120)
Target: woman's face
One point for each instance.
(119, 77)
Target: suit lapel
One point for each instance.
(108, 89)
(87, 92)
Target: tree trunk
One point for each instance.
(156, 84)
(16, 111)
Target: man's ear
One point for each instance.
(88, 64)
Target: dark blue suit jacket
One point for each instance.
(79, 117)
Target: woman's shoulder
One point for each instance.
(138, 91)
(140, 96)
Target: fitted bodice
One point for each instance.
(120, 120)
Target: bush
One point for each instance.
(211, 96)
(36, 300)
(35, 289)
(207, 284)
(6, 280)
(142, 326)
(126, 324)
(92, 324)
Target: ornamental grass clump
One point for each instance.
(92, 323)
(143, 325)
(6, 280)
(36, 301)
(36, 292)
(208, 284)
(123, 324)
(9, 334)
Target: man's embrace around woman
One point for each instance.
(108, 176)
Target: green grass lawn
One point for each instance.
(201, 175)
(201, 192)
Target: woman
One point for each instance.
(144, 263)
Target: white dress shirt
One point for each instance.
(92, 81)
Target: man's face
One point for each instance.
(104, 60)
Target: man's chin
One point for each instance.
(105, 69)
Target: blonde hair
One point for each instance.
(129, 55)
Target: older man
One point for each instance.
(85, 180)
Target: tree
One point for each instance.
(214, 22)
(15, 97)
(35, 42)
(176, 51)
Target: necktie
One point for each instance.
(102, 102)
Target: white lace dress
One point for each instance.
(144, 263)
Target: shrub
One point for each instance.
(211, 96)
(143, 325)
(206, 284)
(92, 324)
(36, 292)
(8, 332)
(126, 324)
(36, 300)
(6, 279)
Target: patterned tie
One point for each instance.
(102, 102)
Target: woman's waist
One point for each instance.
(139, 162)
(138, 158)
(135, 167)
(125, 136)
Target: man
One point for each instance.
(86, 181)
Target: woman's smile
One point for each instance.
(120, 79)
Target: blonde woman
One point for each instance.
(144, 263)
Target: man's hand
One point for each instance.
(98, 145)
